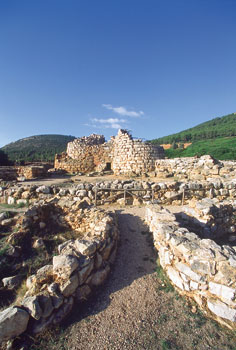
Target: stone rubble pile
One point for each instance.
(199, 268)
(82, 264)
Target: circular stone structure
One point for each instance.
(79, 265)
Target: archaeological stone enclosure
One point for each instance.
(78, 237)
(122, 154)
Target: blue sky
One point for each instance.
(77, 67)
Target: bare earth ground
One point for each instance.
(63, 179)
(136, 309)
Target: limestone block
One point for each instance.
(42, 324)
(98, 261)
(97, 278)
(69, 287)
(64, 265)
(31, 305)
(222, 310)
(203, 266)
(85, 247)
(188, 272)
(222, 291)
(194, 285)
(11, 282)
(175, 277)
(13, 322)
(107, 250)
(44, 189)
(85, 272)
(45, 303)
(83, 292)
(11, 200)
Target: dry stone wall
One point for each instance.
(80, 267)
(161, 192)
(134, 155)
(85, 154)
(198, 268)
(28, 172)
(212, 219)
(194, 168)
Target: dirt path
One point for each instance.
(119, 309)
(137, 309)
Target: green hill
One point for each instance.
(36, 148)
(215, 128)
(223, 148)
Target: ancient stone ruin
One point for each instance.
(196, 246)
(122, 154)
(199, 267)
(75, 268)
(9, 173)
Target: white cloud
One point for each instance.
(123, 111)
(111, 123)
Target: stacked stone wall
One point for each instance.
(161, 192)
(126, 155)
(198, 268)
(212, 219)
(84, 156)
(193, 168)
(29, 172)
(134, 156)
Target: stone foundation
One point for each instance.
(199, 268)
(161, 192)
(82, 265)
(8, 173)
(194, 168)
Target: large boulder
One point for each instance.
(13, 322)
(31, 304)
(64, 265)
(11, 282)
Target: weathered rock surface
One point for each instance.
(13, 322)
